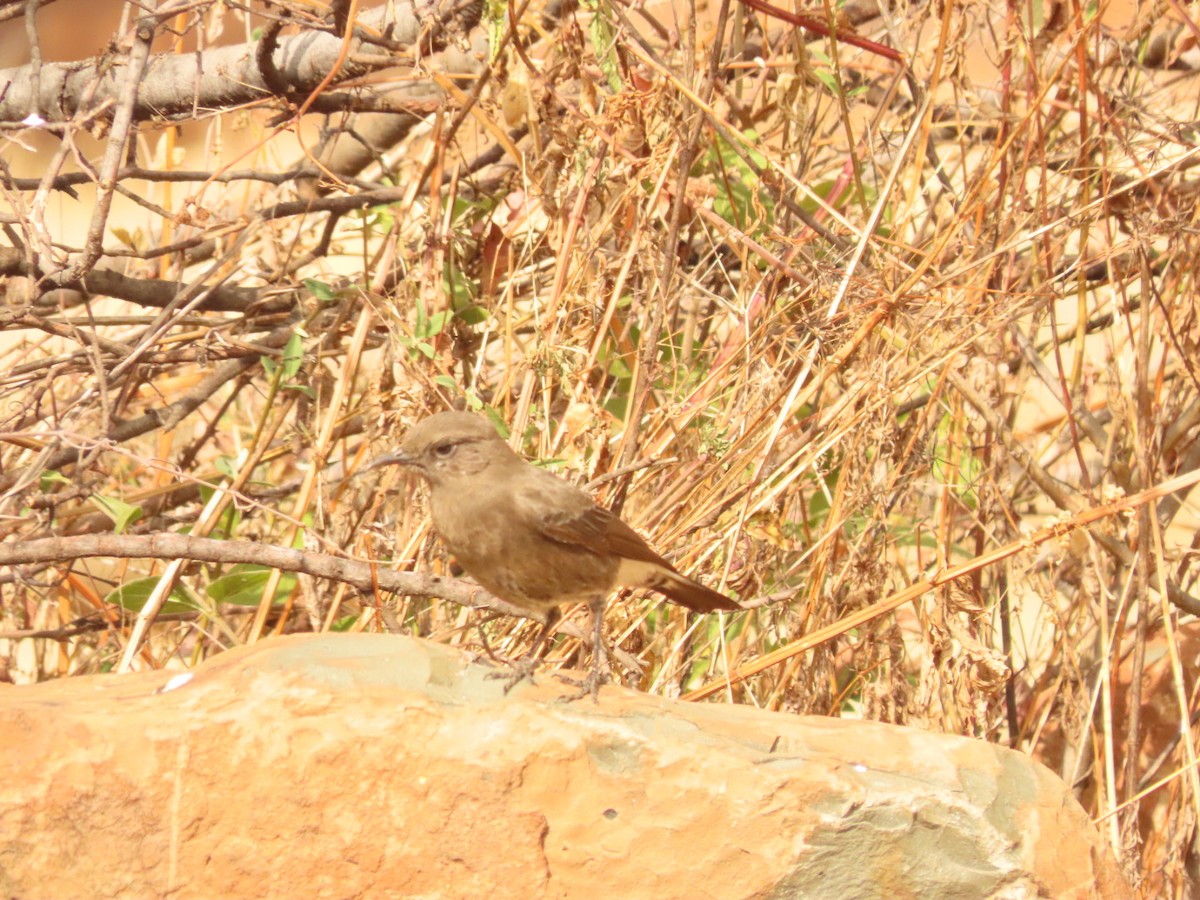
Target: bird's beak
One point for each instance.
(395, 458)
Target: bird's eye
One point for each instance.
(444, 451)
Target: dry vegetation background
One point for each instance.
(824, 327)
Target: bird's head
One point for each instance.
(449, 445)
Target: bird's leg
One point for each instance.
(524, 667)
(597, 677)
(487, 647)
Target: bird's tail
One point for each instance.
(692, 594)
(659, 575)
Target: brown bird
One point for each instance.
(531, 538)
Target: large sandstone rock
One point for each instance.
(346, 766)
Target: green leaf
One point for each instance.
(301, 389)
(619, 368)
(227, 525)
(493, 416)
(473, 315)
(460, 288)
(320, 290)
(603, 38)
(49, 478)
(828, 79)
(738, 199)
(244, 585)
(431, 326)
(228, 466)
(122, 514)
(293, 355)
(134, 594)
(495, 16)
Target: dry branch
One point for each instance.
(362, 575)
(177, 85)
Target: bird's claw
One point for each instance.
(589, 685)
(520, 670)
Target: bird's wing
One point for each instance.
(566, 514)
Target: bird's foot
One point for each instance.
(519, 671)
(589, 685)
(600, 672)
